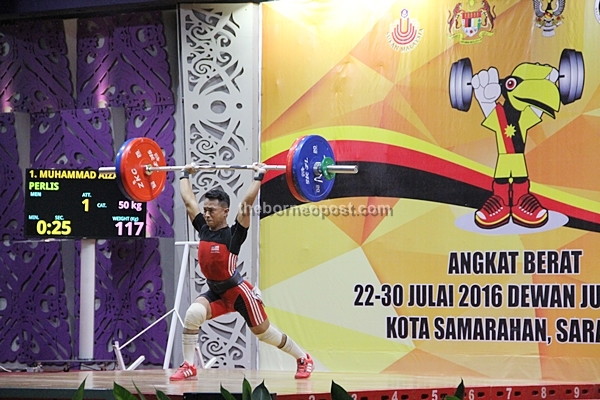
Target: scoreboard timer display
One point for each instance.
(80, 204)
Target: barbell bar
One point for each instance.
(571, 74)
(310, 169)
(336, 169)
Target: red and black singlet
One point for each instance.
(218, 250)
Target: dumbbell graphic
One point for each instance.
(570, 81)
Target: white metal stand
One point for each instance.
(87, 279)
(175, 317)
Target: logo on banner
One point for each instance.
(471, 21)
(546, 17)
(404, 33)
(597, 10)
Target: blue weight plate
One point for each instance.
(306, 152)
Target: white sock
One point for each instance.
(292, 348)
(189, 347)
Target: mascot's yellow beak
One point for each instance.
(530, 87)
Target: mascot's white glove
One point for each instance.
(553, 75)
(486, 86)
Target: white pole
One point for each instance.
(182, 275)
(87, 291)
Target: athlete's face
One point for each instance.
(215, 215)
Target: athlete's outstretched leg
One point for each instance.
(248, 303)
(274, 337)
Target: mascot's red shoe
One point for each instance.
(495, 212)
(527, 210)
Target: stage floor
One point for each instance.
(99, 384)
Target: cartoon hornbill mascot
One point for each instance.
(529, 92)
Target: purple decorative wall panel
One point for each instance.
(72, 139)
(130, 297)
(12, 204)
(158, 124)
(34, 324)
(122, 62)
(34, 77)
(33, 310)
(34, 69)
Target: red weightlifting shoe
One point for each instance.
(185, 371)
(305, 367)
(528, 212)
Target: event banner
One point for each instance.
(468, 243)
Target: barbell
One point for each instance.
(310, 169)
(570, 80)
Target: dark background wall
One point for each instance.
(12, 9)
(68, 101)
(62, 106)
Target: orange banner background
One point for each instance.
(373, 79)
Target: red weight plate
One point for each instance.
(289, 171)
(132, 159)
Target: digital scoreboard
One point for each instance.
(79, 204)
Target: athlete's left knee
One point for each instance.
(273, 337)
(195, 316)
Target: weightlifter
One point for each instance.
(228, 292)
